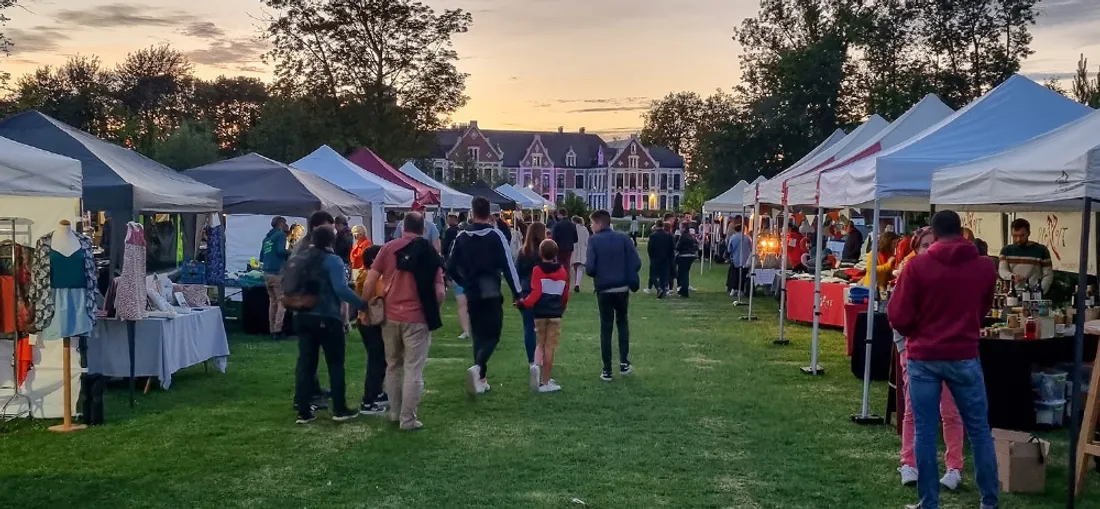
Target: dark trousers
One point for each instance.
(486, 320)
(613, 313)
(658, 274)
(672, 272)
(376, 362)
(736, 278)
(683, 273)
(314, 334)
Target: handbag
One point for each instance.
(376, 312)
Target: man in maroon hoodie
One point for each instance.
(938, 305)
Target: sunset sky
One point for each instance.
(533, 64)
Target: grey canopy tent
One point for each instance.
(254, 184)
(483, 190)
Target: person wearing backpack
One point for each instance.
(314, 284)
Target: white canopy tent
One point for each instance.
(544, 204)
(522, 200)
(733, 200)
(752, 192)
(448, 196)
(1059, 170)
(381, 193)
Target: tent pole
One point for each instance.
(1078, 355)
(783, 278)
(753, 260)
(865, 416)
(729, 258)
(813, 368)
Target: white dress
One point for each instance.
(580, 251)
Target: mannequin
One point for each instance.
(65, 241)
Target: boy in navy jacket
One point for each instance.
(613, 264)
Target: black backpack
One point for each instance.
(302, 278)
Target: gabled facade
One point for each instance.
(557, 163)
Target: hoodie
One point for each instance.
(940, 301)
(660, 247)
(479, 257)
(273, 253)
(565, 234)
(549, 291)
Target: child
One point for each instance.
(375, 402)
(547, 300)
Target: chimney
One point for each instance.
(473, 124)
(633, 136)
(561, 129)
(582, 130)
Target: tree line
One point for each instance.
(809, 67)
(376, 73)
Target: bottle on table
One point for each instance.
(1031, 328)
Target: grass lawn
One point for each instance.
(714, 416)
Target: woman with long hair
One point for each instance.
(527, 260)
(580, 253)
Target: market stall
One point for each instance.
(368, 160)
(802, 302)
(544, 204)
(381, 193)
(497, 200)
(38, 190)
(1058, 170)
(450, 199)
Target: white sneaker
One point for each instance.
(952, 479)
(908, 475)
(550, 387)
(647, 291)
(536, 377)
(463, 336)
(482, 386)
(733, 293)
(692, 288)
(472, 376)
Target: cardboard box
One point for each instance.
(1021, 461)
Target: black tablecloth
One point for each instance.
(1007, 365)
(254, 306)
(882, 345)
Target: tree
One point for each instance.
(617, 206)
(5, 43)
(393, 57)
(232, 106)
(77, 93)
(189, 146)
(1086, 90)
(672, 122)
(694, 195)
(574, 205)
(463, 170)
(154, 87)
(290, 128)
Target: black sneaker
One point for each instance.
(319, 402)
(382, 400)
(606, 375)
(371, 409)
(625, 368)
(661, 294)
(306, 418)
(344, 415)
(577, 289)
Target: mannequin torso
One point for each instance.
(64, 239)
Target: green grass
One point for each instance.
(714, 416)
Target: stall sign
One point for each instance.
(1060, 232)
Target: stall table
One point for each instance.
(800, 302)
(162, 346)
(1007, 366)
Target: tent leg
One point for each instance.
(1078, 359)
(783, 279)
(741, 270)
(752, 261)
(865, 417)
(814, 368)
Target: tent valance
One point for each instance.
(368, 160)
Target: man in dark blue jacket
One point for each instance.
(478, 259)
(660, 256)
(613, 265)
(564, 233)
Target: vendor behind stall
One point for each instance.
(1024, 261)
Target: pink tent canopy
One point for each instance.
(368, 160)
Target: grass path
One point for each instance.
(715, 416)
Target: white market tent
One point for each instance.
(381, 194)
(733, 200)
(522, 200)
(1059, 170)
(752, 192)
(771, 192)
(929, 111)
(900, 178)
(450, 198)
(544, 204)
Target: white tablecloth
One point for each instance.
(161, 346)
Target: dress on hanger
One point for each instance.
(130, 293)
(215, 255)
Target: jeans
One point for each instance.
(486, 320)
(613, 313)
(658, 275)
(967, 384)
(952, 426)
(529, 339)
(314, 334)
(407, 347)
(683, 274)
(376, 362)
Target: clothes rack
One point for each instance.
(10, 228)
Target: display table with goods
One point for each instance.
(800, 302)
(162, 345)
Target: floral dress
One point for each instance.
(130, 293)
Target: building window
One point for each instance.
(474, 153)
(561, 181)
(664, 183)
(546, 182)
(571, 160)
(536, 160)
(645, 203)
(645, 182)
(633, 181)
(526, 179)
(578, 181)
(561, 198)
(675, 202)
(632, 161)
(512, 178)
(619, 181)
(676, 182)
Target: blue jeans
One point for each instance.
(967, 385)
(529, 340)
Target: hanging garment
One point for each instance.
(41, 289)
(24, 359)
(70, 318)
(215, 255)
(130, 293)
(15, 298)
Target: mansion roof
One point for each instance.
(514, 146)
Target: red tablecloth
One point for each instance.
(800, 302)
